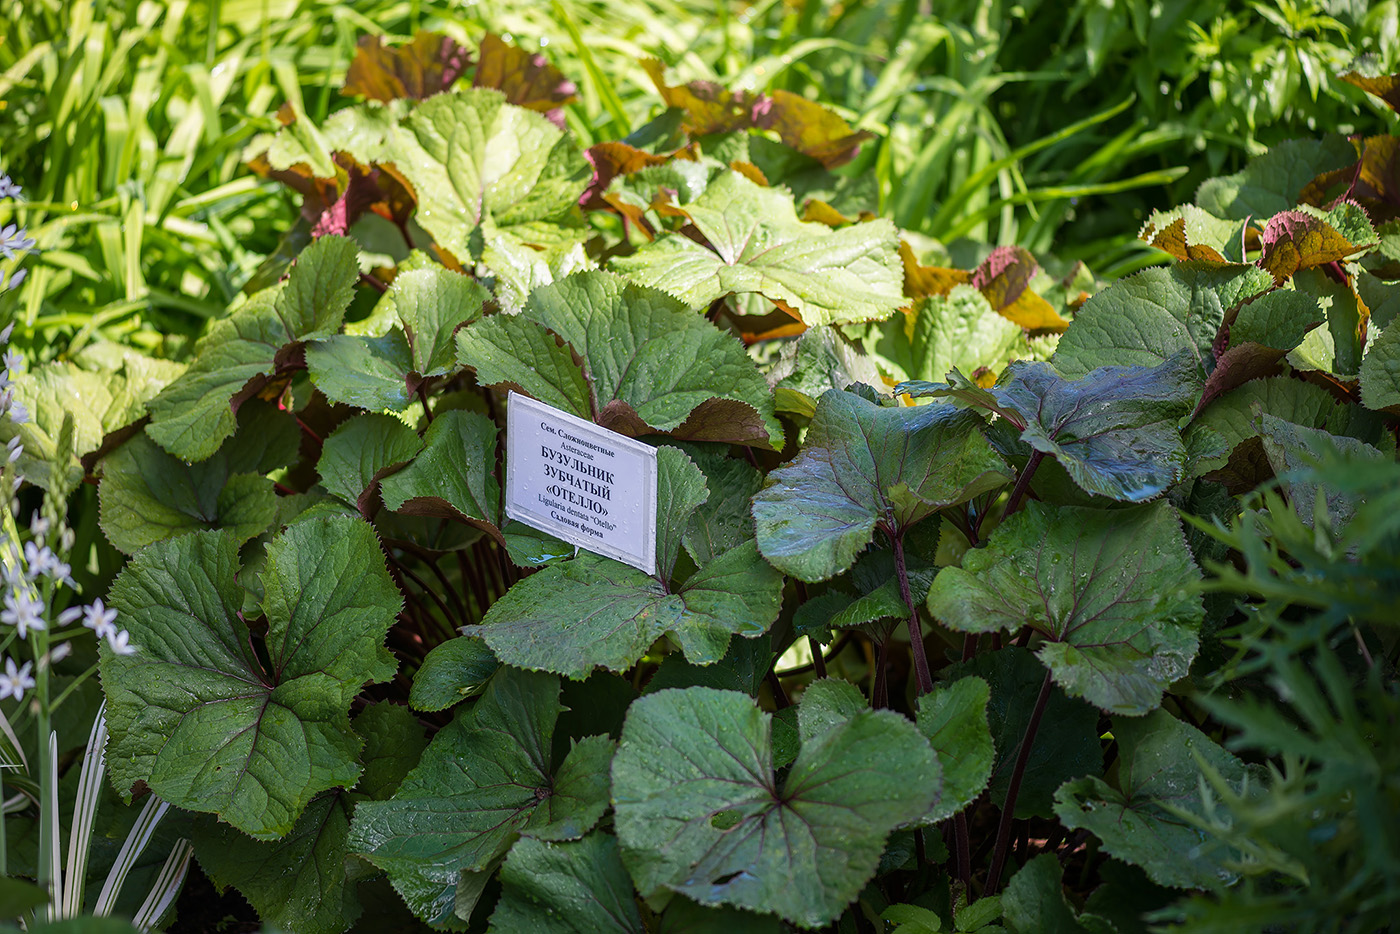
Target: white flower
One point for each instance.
(5, 334)
(59, 652)
(14, 449)
(18, 413)
(38, 525)
(24, 611)
(12, 360)
(8, 189)
(15, 681)
(121, 643)
(15, 279)
(39, 558)
(100, 619)
(14, 239)
(70, 614)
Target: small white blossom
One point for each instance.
(14, 239)
(121, 643)
(18, 413)
(38, 525)
(60, 652)
(40, 558)
(100, 619)
(8, 189)
(5, 334)
(13, 449)
(71, 614)
(12, 360)
(24, 611)
(15, 681)
(15, 279)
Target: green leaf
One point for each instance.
(954, 718)
(360, 451)
(699, 811)
(819, 360)
(1272, 182)
(484, 780)
(319, 288)
(300, 881)
(1115, 430)
(744, 667)
(454, 475)
(1157, 775)
(865, 467)
(452, 672)
(960, 330)
(594, 612)
(1106, 588)
(1380, 371)
(198, 716)
(1336, 348)
(1189, 233)
(147, 495)
(826, 704)
(1034, 902)
(1067, 744)
(478, 165)
(1148, 318)
(367, 372)
(566, 888)
(1276, 319)
(193, 415)
(654, 364)
(510, 351)
(757, 245)
(1293, 449)
(723, 521)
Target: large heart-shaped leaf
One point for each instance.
(700, 812)
(359, 450)
(454, 475)
(634, 359)
(954, 718)
(1106, 588)
(478, 165)
(866, 466)
(367, 372)
(756, 244)
(484, 780)
(302, 881)
(200, 718)
(1158, 772)
(1115, 430)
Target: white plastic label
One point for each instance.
(580, 482)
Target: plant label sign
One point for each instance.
(580, 482)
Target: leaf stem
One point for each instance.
(879, 691)
(962, 849)
(1023, 483)
(916, 636)
(1013, 789)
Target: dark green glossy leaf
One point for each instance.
(826, 704)
(146, 495)
(452, 672)
(195, 713)
(724, 519)
(300, 881)
(1034, 902)
(366, 372)
(1148, 318)
(819, 360)
(864, 467)
(954, 718)
(1273, 181)
(510, 351)
(1380, 371)
(1115, 430)
(1106, 588)
(360, 451)
(1157, 774)
(454, 476)
(484, 780)
(699, 810)
(432, 303)
(566, 888)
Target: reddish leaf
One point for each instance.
(811, 128)
(609, 160)
(750, 171)
(1004, 279)
(420, 69)
(1377, 184)
(1298, 239)
(921, 281)
(526, 78)
(1386, 87)
(1172, 239)
(709, 108)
